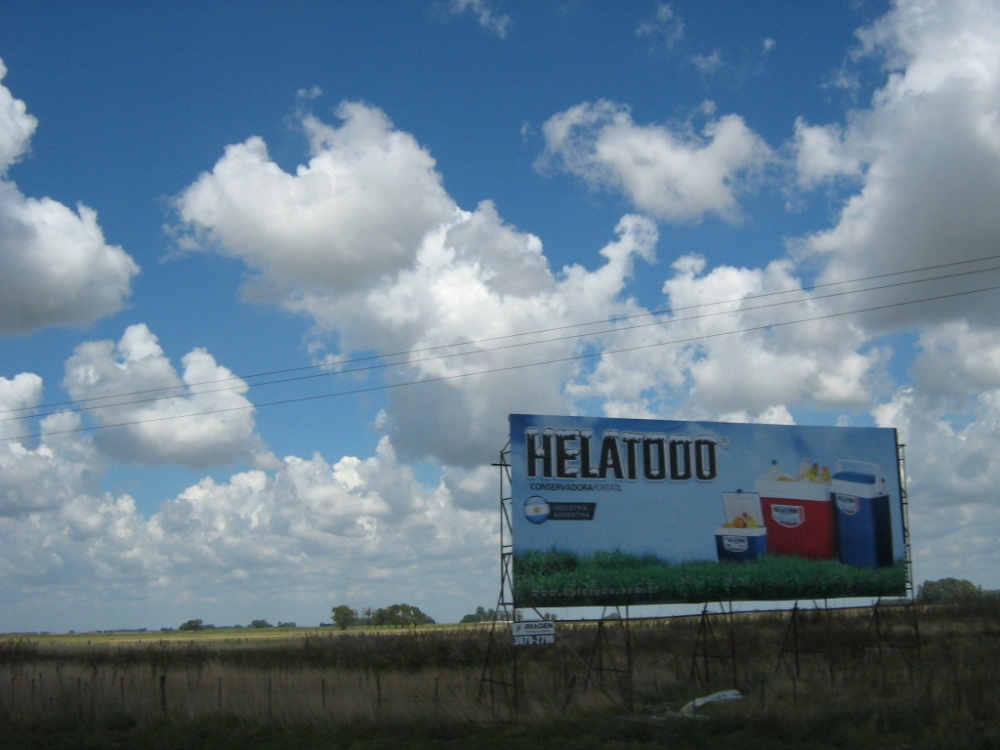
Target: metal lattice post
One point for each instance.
(495, 670)
(905, 502)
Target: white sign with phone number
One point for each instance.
(533, 633)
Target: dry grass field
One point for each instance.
(895, 677)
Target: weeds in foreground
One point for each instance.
(833, 678)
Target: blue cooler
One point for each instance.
(864, 522)
(743, 538)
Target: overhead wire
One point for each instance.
(382, 364)
(241, 380)
(568, 358)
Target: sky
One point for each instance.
(273, 276)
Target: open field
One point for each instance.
(901, 678)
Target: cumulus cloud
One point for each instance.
(958, 359)
(16, 125)
(18, 398)
(952, 507)
(740, 344)
(290, 540)
(916, 177)
(198, 418)
(47, 475)
(821, 154)
(326, 225)
(708, 64)
(925, 155)
(477, 288)
(673, 174)
(486, 16)
(55, 267)
(382, 259)
(664, 25)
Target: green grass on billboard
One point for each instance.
(562, 579)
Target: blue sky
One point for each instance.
(202, 194)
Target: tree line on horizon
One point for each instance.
(942, 591)
(395, 616)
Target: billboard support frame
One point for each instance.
(792, 633)
(500, 677)
(881, 633)
(707, 647)
(904, 503)
(499, 673)
(623, 675)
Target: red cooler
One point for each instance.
(799, 518)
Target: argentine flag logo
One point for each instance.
(536, 509)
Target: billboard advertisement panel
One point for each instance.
(633, 511)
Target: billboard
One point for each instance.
(633, 511)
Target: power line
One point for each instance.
(383, 361)
(508, 368)
(474, 342)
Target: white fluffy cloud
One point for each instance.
(665, 24)
(292, 541)
(328, 226)
(925, 155)
(55, 267)
(463, 422)
(383, 259)
(726, 353)
(364, 241)
(199, 418)
(953, 510)
(918, 174)
(672, 174)
(486, 16)
(821, 154)
(47, 475)
(16, 125)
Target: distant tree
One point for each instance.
(261, 624)
(343, 616)
(481, 615)
(948, 591)
(404, 615)
(395, 616)
(192, 625)
(286, 624)
(400, 616)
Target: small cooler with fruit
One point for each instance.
(742, 538)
